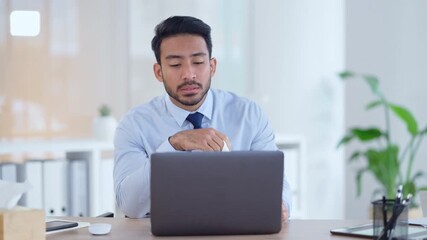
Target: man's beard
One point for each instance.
(189, 102)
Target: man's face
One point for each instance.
(185, 70)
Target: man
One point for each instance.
(185, 66)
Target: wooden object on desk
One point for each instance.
(22, 223)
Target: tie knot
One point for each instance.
(195, 119)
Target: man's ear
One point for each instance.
(157, 68)
(212, 63)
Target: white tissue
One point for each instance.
(225, 148)
(11, 192)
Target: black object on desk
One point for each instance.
(366, 231)
(384, 227)
(59, 225)
(395, 227)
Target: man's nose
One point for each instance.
(188, 72)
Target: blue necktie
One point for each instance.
(195, 119)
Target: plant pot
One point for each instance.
(104, 128)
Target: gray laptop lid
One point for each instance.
(211, 193)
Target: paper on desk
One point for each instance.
(11, 192)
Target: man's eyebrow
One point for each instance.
(173, 56)
(197, 54)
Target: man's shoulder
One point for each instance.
(223, 95)
(232, 99)
(147, 109)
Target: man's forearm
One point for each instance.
(133, 193)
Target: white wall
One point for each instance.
(298, 49)
(388, 39)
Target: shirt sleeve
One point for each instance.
(131, 173)
(265, 141)
(132, 170)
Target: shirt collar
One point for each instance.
(180, 114)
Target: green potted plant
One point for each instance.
(385, 160)
(104, 126)
(104, 110)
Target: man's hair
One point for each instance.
(180, 25)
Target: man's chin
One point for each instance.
(190, 103)
(190, 100)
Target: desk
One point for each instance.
(84, 149)
(129, 229)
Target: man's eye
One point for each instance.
(199, 62)
(174, 65)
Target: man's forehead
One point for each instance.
(183, 45)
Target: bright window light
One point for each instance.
(25, 23)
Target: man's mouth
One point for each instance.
(189, 89)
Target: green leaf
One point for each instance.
(417, 175)
(346, 74)
(407, 117)
(409, 187)
(355, 155)
(373, 104)
(363, 135)
(347, 138)
(372, 82)
(384, 166)
(366, 134)
(359, 180)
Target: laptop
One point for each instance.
(216, 193)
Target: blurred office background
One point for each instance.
(284, 54)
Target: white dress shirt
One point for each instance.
(146, 128)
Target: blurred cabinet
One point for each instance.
(32, 171)
(78, 197)
(54, 188)
(294, 148)
(108, 201)
(8, 172)
(69, 186)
